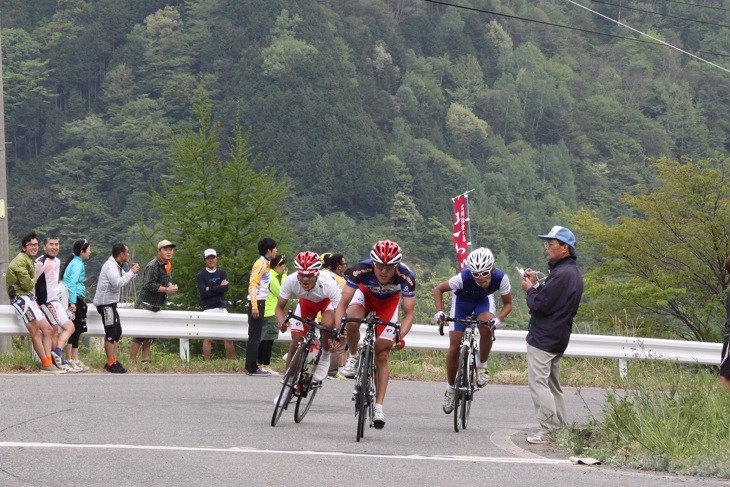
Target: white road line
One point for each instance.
(449, 458)
(503, 439)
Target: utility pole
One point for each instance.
(5, 341)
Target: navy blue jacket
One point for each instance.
(214, 296)
(553, 306)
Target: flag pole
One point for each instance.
(468, 219)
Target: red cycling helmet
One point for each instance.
(307, 263)
(386, 252)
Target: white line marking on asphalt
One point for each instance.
(236, 449)
(503, 439)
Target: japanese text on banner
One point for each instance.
(461, 230)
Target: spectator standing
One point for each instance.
(112, 279)
(258, 290)
(156, 286)
(212, 285)
(48, 294)
(270, 330)
(552, 305)
(725, 357)
(335, 265)
(20, 279)
(74, 278)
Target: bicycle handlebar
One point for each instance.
(371, 321)
(468, 321)
(313, 324)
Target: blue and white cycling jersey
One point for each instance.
(465, 286)
(470, 297)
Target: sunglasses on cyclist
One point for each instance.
(481, 274)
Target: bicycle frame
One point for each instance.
(465, 382)
(364, 393)
(298, 379)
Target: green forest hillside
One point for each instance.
(375, 112)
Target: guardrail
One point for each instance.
(187, 325)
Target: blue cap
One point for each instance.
(562, 234)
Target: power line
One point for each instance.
(661, 14)
(569, 27)
(649, 36)
(697, 5)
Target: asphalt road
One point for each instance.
(170, 430)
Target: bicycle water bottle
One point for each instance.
(312, 356)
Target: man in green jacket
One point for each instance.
(156, 286)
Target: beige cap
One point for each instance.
(165, 243)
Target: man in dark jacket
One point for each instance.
(552, 308)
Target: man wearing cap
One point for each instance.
(552, 306)
(212, 286)
(156, 285)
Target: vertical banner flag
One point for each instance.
(461, 229)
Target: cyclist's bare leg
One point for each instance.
(452, 357)
(382, 369)
(485, 337)
(353, 329)
(67, 329)
(296, 339)
(328, 320)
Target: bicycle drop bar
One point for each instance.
(468, 322)
(371, 321)
(313, 324)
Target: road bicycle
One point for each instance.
(298, 380)
(364, 393)
(465, 383)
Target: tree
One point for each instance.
(212, 200)
(666, 264)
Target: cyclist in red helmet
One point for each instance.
(317, 293)
(378, 284)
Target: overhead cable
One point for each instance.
(578, 29)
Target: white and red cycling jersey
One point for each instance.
(325, 295)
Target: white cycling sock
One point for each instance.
(323, 367)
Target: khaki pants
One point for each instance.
(543, 378)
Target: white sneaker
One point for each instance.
(350, 369)
(482, 377)
(322, 367)
(378, 419)
(276, 400)
(81, 365)
(57, 360)
(73, 365)
(448, 404)
(69, 369)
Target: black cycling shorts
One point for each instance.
(110, 319)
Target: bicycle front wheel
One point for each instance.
(469, 381)
(290, 381)
(460, 389)
(305, 402)
(362, 396)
